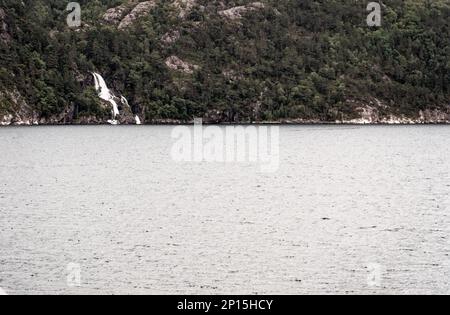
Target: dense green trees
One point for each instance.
(293, 59)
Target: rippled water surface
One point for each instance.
(351, 210)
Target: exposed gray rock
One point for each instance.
(236, 13)
(184, 7)
(232, 75)
(138, 11)
(170, 37)
(436, 116)
(115, 15)
(175, 63)
(369, 114)
(19, 113)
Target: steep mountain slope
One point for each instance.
(226, 61)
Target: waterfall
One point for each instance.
(138, 120)
(105, 94)
(125, 102)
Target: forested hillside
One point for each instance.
(226, 61)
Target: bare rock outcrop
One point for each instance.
(175, 63)
(184, 7)
(19, 113)
(237, 13)
(171, 37)
(115, 15)
(367, 115)
(140, 10)
(232, 75)
(127, 13)
(436, 116)
(370, 114)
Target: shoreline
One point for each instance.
(321, 123)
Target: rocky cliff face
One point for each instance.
(236, 13)
(175, 63)
(371, 115)
(115, 15)
(137, 12)
(127, 13)
(184, 7)
(18, 111)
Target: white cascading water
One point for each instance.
(105, 94)
(125, 102)
(138, 120)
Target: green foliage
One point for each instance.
(294, 59)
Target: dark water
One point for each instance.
(350, 210)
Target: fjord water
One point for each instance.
(352, 209)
